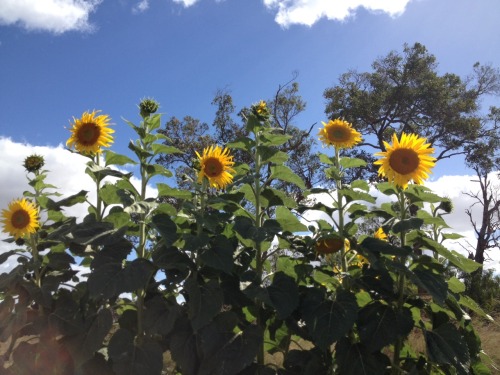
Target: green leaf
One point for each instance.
(451, 236)
(418, 193)
(408, 224)
(157, 170)
(445, 345)
(380, 325)
(219, 255)
(131, 359)
(283, 173)
(166, 227)
(326, 159)
(153, 122)
(352, 162)
(433, 283)
(387, 188)
(360, 184)
(457, 259)
(284, 294)
(205, 302)
(274, 139)
(455, 285)
(139, 151)
(272, 155)
(160, 316)
(469, 303)
(160, 148)
(227, 352)
(355, 359)
(167, 191)
(253, 124)
(376, 245)
(243, 143)
(113, 158)
(288, 221)
(327, 321)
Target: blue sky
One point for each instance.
(61, 58)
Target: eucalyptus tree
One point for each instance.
(404, 92)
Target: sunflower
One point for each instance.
(332, 245)
(90, 132)
(380, 234)
(20, 219)
(406, 160)
(339, 133)
(215, 165)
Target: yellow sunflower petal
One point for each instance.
(20, 219)
(407, 159)
(215, 165)
(90, 133)
(339, 133)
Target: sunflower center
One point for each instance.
(338, 134)
(20, 219)
(89, 133)
(213, 167)
(404, 161)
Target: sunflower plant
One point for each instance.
(225, 273)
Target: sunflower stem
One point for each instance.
(259, 256)
(401, 280)
(340, 206)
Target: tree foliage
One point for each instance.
(406, 93)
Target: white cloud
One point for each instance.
(308, 12)
(186, 3)
(56, 16)
(140, 7)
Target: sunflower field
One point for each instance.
(228, 275)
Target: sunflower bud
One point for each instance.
(148, 106)
(446, 205)
(20, 241)
(34, 163)
(261, 111)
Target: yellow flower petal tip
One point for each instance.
(406, 159)
(215, 165)
(339, 133)
(20, 219)
(90, 133)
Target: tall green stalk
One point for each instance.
(340, 206)
(401, 280)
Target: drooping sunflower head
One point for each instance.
(407, 159)
(90, 133)
(332, 245)
(20, 219)
(216, 165)
(339, 133)
(380, 234)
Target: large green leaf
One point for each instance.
(219, 254)
(288, 221)
(205, 302)
(327, 321)
(457, 259)
(283, 173)
(446, 346)
(354, 359)
(380, 325)
(224, 351)
(160, 315)
(284, 294)
(347, 162)
(408, 224)
(131, 359)
(113, 158)
(166, 227)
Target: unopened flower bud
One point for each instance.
(34, 163)
(148, 106)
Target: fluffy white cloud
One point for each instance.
(186, 3)
(308, 12)
(56, 16)
(140, 7)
